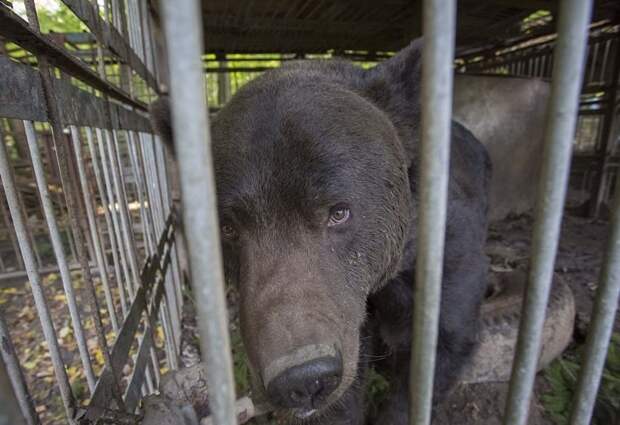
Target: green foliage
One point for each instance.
(562, 377)
(240, 363)
(59, 20)
(377, 388)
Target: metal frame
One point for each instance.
(152, 294)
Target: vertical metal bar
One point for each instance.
(7, 350)
(601, 77)
(592, 64)
(183, 28)
(61, 259)
(70, 190)
(148, 237)
(172, 295)
(119, 185)
(92, 223)
(115, 209)
(131, 147)
(6, 216)
(568, 72)
(36, 286)
(439, 19)
(602, 324)
(606, 137)
(108, 218)
(157, 214)
(141, 166)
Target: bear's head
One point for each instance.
(312, 165)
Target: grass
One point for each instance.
(562, 377)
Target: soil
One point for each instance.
(579, 259)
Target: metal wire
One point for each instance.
(183, 28)
(568, 71)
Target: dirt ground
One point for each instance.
(578, 262)
(580, 255)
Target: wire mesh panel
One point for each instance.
(87, 216)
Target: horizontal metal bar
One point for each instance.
(559, 131)
(183, 29)
(110, 37)
(439, 19)
(15, 29)
(22, 97)
(44, 270)
(244, 69)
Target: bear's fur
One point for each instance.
(312, 136)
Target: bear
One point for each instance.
(316, 166)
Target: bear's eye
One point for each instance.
(228, 231)
(338, 215)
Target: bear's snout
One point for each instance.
(304, 379)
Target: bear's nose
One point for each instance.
(306, 385)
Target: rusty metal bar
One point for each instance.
(36, 285)
(16, 376)
(439, 19)
(182, 24)
(54, 232)
(574, 17)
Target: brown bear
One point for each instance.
(316, 167)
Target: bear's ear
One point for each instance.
(395, 86)
(161, 120)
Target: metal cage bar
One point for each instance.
(61, 259)
(182, 25)
(25, 246)
(568, 72)
(601, 327)
(439, 18)
(92, 224)
(11, 361)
